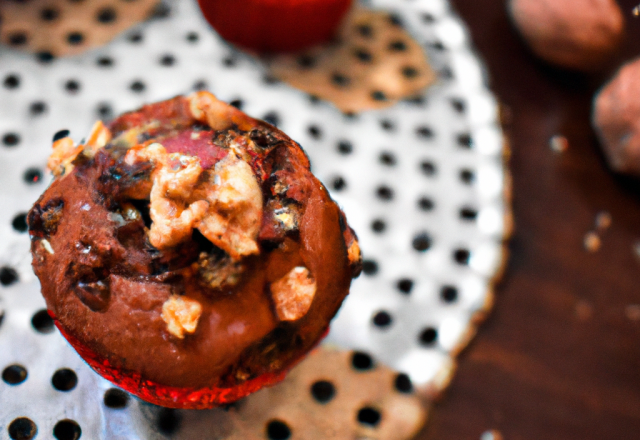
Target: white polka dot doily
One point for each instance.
(423, 183)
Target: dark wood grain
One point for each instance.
(558, 358)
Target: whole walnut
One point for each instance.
(576, 34)
(616, 119)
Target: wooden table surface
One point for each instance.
(559, 357)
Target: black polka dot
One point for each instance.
(382, 319)
(272, 118)
(421, 242)
(49, 14)
(270, 80)
(278, 430)
(338, 184)
(64, 379)
(167, 60)
(378, 95)
(8, 276)
(464, 140)
(323, 391)
(169, 421)
(11, 81)
(427, 18)
(106, 15)
(105, 111)
(365, 30)
(137, 86)
(67, 430)
(395, 20)
(461, 256)
(72, 86)
(468, 214)
(315, 132)
(115, 398)
(370, 267)
(397, 46)
(37, 108)
(458, 105)
(14, 374)
(11, 139)
(75, 38)
(193, 37)
(162, 10)
(388, 158)
(313, 99)
(363, 55)
(405, 285)
(384, 193)
(135, 37)
(18, 38)
(200, 85)
(378, 226)
(61, 135)
(410, 72)
(237, 103)
(417, 100)
(437, 45)
(369, 416)
(402, 383)
(42, 322)
(467, 176)
(32, 175)
(345, 147)
(449, 294)
(45, 57)
(361, 361)
(306, 61)
(428, 168)
(428, 336)
(424, 132)
(19, 222)
(340, 80)
(105, 62)
(230, 61)
(22, 428)
(387, 125)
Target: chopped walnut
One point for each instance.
(218, 115)
(65, 152)
(287, 217)
(226, 208)
(99, 137)
(354, 254)
(174, 177)
(293, 294)
(235, 208)
(181, 315)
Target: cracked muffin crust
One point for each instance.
(187, 252)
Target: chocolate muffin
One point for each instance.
(187, 252)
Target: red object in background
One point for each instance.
(275, 25)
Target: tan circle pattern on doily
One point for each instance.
(332, 394)
(65, 27)
(373, 64)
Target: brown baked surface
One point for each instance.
(106, 284)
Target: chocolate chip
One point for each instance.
(95, 295)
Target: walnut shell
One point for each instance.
(578, 35)
(616, 119)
